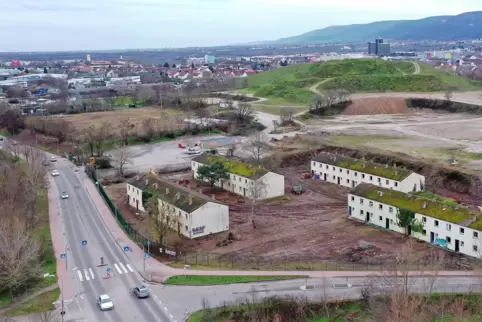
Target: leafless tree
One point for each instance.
(448, 96)
(124, 158)
(146, 93)
(103, 133)
(257, 191)
(149, 127)
(49, 316)
(15, 92)
(257, 146)
(162, 218)
(286, 115)
(244, 112)
(125, 128)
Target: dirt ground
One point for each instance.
(381, 105)
(311, 227)
(168, 121)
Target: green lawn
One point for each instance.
(276, 110)
(4, 133)
(39, 304)
(227, 279)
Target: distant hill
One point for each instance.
(464, 26)
(291, 84)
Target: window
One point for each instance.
(380, 218)
(129, 188)
(475, 248)
(371, 178)
(380, 207)
(379, 179)
(436, 223)
(341, 170)
(334, 177)
(449, 240)
(319, 166)
(448, 227)
(424, 232)
(361, 212)
(424, 219)
(327, 167)
(185, 227)
(370, 203)
(461, 244)
(476, 234)
(179, 213)
(371, 215)
(390, 209)
(396, 184)
(347, 180)
(333, 168)
(356, 174)
(314, 163)
(239, 179)
(361, 201)
(363, 175)
(186, 216)
(387, 182)
(352, 198)
(348, 171)
(462, 231)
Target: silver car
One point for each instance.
(105, 303)
(64, 195)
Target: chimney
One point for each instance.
(190, 200)
(178, 195)
(424, 205)
(167, 190)
(380, 193)
(147, 182)
(213, 196)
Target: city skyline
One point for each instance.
(55, 25)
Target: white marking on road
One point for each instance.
(117, 268)
(165, 308)
(123, 268)
(171, 315)
(91, 273)
(155, 296)
(130, 268)
(160, 301)
(80, 276)
(86, 275)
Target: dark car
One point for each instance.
(141, 291)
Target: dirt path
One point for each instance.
(417, 68)
(314, 87)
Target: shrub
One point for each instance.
(103, 163)
(449, 106)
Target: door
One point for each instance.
(368, 217)
(339, 180)
(137, 204)
(432, 237)
(324, 176)
(409, 230)
(349, 211)
(244, 192)
(457, 245)
(353, 183)
(387, 223)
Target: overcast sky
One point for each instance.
(49, 25)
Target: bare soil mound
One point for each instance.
(381, 105)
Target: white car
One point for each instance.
(64, 195)
(53, 159)
(55, 173)
(105, 303)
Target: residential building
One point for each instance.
(445, 224)
(245, 180)
(349, 172)
(191, 213)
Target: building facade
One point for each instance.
(191, 214)
(378, 47)
(349, 172)
(449, 226)
(248, 181)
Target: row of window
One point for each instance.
(133, 189)
(370, 178)
(370, 203)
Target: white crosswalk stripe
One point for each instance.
(87, 274)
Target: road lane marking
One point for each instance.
(80, 276)
(123, 268)
(86, 275)
(91, 273)
(160, 301)
(171, 315)
(130, 268)
(117, 268)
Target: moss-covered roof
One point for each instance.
(150, 181)
(232, 165)
(457, 215)
(376, 169)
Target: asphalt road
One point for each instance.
(190, 298)
(81, 221)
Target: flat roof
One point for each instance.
(436, 209)
(389, 172)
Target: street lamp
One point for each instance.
(143, 254)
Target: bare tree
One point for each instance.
(286, 114)
(257, 146)
(448, 96)
(257, 191)
(124, 158)
(103, 133)
(162, 218)
(125, 128)
(149, 127)
(244, 112)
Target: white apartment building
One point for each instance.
(349, 172)
(450, 226)
(244, 180)
(192, 214)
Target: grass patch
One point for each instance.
(279, 101)
(39, 304)
(228, 279)
(47, 149)
(276, 110)
(4, 133)
(444, 154)
(360, 140)
(232, 165)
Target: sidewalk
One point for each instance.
(158, 272)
